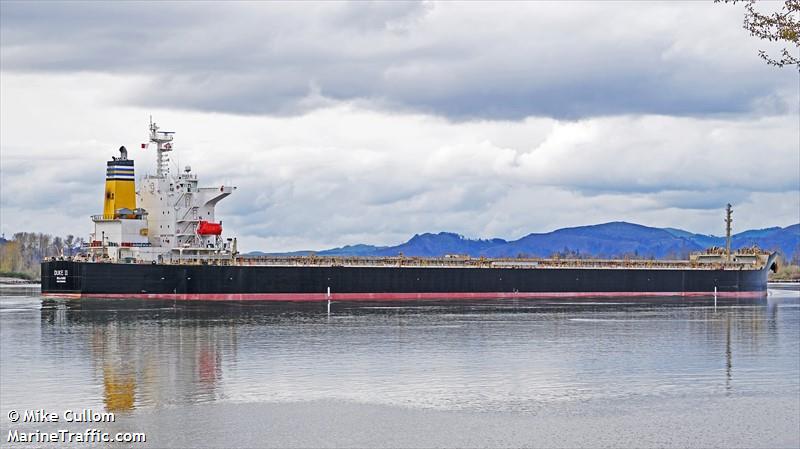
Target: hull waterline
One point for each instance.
(350, 283)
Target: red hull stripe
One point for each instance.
(394, 296)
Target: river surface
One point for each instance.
(486, 374)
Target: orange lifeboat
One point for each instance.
(209, 228)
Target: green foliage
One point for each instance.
(776, 26)
(23, 254)
(786, 273)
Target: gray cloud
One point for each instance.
(343, 174)
(461, 61)
(369, 122)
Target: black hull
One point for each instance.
(319, 283)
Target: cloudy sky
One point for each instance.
(369, 122)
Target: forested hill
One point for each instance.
(616, 239)
(22, 254)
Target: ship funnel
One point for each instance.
(120, 188)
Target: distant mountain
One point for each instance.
(785, 240)
(703, 240)
(431, 245)
(604, 240)
(616, 239)
(290, 253)
(353, 250)
(348, 250)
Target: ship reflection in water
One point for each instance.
(146, 353)
(518, 357)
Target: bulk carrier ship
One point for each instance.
(162, 241)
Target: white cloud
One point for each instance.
(345, 174)
(351, 122)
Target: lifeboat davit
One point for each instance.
(209, 228)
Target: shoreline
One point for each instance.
(5, 280)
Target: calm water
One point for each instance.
(481, 374)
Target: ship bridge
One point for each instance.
(167, 218)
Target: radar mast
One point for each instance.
(163, 141)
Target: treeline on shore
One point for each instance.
(788, 269)
(21, 256)
(789, 272)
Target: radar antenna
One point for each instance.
(163, 141)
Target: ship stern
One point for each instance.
(61, 278)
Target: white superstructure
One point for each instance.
(174, 220)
